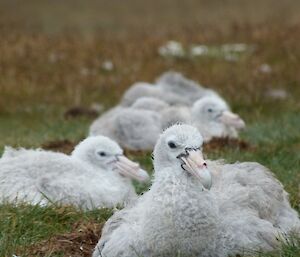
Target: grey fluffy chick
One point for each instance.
(143, 89)
(190, 212)
(175, 83)
(134, 129)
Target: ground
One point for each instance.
(51, 73)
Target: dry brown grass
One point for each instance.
(69, 69)
(40, 68)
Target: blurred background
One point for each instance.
(58, 54)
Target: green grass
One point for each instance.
(23, 225)
(38, 126)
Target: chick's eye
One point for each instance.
(210, 110)
(172, 145)
(102, 154)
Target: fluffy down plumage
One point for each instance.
(177, 84)
(95, 175)
(210, 114)
(143, 89)
(150, 103)
(249, 185)
(134, 129)
(179, 215)
(138, 127)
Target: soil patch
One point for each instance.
(80, 242)
(65, 146)
(79, 111)
(221, 143)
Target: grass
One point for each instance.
(24, 225)
(51, 56)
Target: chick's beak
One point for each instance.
(130, 169)
(232, 119)
(193, 163)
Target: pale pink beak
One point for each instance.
(130, 169)
(194, 163)
(232, 119)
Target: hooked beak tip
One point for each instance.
(193, 163)
(144, 176)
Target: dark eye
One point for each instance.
(102, 154)
(172, 145)
(210, 110)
